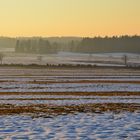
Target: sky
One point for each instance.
(69, 17)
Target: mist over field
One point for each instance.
(52, 45)
(102, 51)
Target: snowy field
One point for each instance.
(104, 59)
(68, 81)
(69, 87)
(69, 103)
(80, 126)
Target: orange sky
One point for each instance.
(69, 17)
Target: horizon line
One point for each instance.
(68, 36)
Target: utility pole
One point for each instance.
(125, 60)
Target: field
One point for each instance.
(101, 59)
(69, 102)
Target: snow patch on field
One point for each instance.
(69, 87)
(72, 126)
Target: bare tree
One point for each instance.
(1, 57)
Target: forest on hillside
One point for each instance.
(127, 44)
(46, 45)
(53, 45)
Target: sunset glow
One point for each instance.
(69, 17)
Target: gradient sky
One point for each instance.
(69, 17)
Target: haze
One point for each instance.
(69, 17)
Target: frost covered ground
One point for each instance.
(69, 103)
(104, 59)
(69, 87)
(67, 80)
(83, 126)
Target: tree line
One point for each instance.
(44, 46)
(35, 46)
(129, 44)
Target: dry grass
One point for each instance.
(84, 81)
(59, 110)
(75, 93)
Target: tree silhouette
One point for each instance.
(128, 44)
